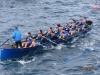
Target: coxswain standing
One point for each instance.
(16, 35)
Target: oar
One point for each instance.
(52, 41)
(42, 45)
(4, 42)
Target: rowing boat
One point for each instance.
(14, 53)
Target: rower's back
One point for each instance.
(16, 35)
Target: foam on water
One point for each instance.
(60, 46)
(23, 62)
(74, 40)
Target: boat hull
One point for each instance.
(12, 53)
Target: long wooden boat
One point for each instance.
(14, 53)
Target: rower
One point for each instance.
(73, 27)
(56, 31)
(73, 21)
(79, 27)
(39, 32)
(48, 33)
(50, 29)
(34, 43)
(44, 40)
(28, 40)
(66, 26)
(59, 27)
(84, 19)
(84, 22)
(38, 38)
(53, 37)
(64, 34)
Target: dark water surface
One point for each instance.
(32, 15)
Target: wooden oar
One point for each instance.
(4, 42)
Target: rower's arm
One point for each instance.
(45, 33)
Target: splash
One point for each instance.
(89, 48)
(54, 64)
(74, 40)
(60, 46)
(23, 62)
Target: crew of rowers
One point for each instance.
(58, 32)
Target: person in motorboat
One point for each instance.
(16, 35)
(34, 43)
(53, 36)
(28, 40)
